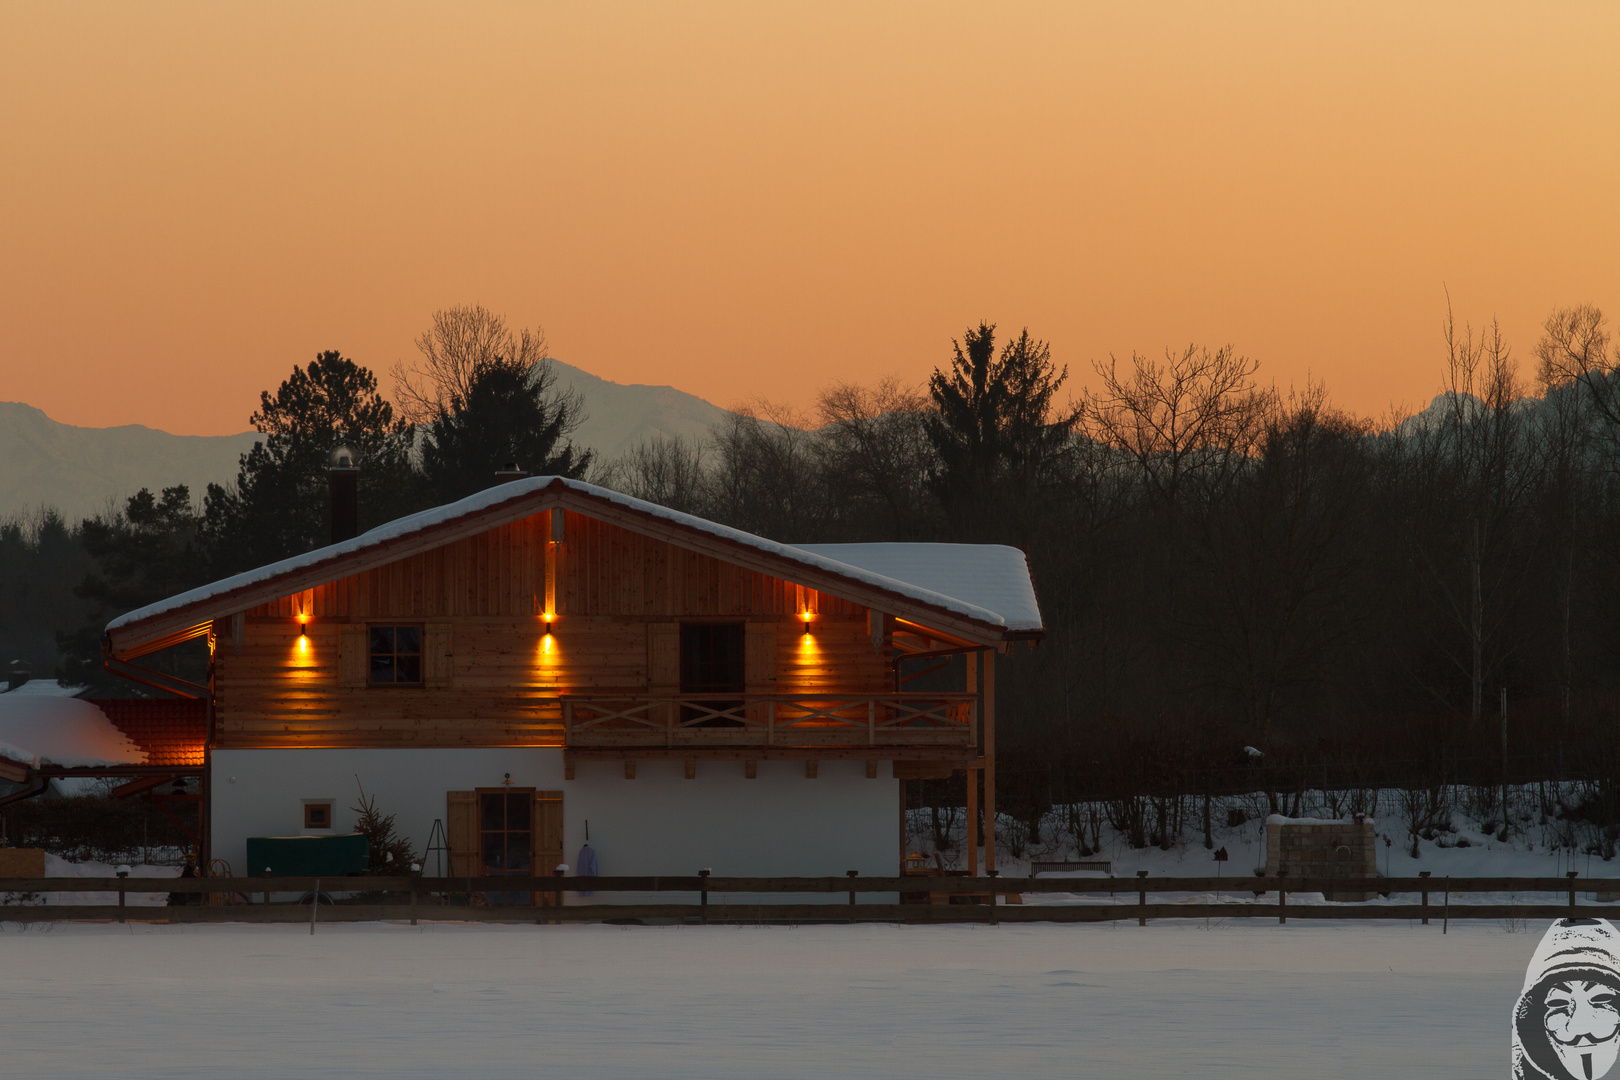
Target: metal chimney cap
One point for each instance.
(343, 457)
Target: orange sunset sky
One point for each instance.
(753, 200)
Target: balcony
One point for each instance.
(630, 721)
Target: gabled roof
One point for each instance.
(920, 594)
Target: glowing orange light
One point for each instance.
(546, 644)
(303, 643)
(806, 618)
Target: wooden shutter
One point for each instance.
(759, 658)
(548, 840)
(437, 657)
(461, 832)
(354, 661)
(664, 657)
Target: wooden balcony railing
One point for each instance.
(612, 720)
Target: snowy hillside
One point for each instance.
(81, 470)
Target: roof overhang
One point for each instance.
(170, 622)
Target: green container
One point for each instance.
(307, 856)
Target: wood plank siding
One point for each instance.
(489, 678)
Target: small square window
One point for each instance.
(396, 655)
(317, 815)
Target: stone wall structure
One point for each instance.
(1323, 848)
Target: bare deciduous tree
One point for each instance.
(460, 343)
(1193, 417)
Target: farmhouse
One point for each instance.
(549, 663)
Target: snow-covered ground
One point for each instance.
(1175, 999)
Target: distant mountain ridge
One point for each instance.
(81, 471)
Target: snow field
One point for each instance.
(388, 1000)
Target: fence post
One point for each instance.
(413, 905)
(1571, 875)
(120, 901)
(1141, 898)
(852, 875)
(1424, 874)
(1282, 904)
(314, 906)
(703, 897)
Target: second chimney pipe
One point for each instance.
(344, 476)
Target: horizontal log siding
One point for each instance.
(490, 588)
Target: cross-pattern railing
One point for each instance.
(769, 720)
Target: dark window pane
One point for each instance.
(494, 851)
(712, 658)
(517, 811)
(382, 669)
(517, 851)
(382, 639)
(407, 639)
(408, 669)
(492, 811)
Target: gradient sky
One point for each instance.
(753, 200)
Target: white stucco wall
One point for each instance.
(778, 824)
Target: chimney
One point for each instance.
(509, 472)
(343, 471)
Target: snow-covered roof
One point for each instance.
(989, 576)
(942, 589)
(50, 729)
(45, 688)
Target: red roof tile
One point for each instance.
(169, 731)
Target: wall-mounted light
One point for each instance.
(303, 635)
(807, 624)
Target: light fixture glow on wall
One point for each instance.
(303, 635)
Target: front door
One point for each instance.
(506, 832)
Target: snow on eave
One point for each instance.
(523, 493)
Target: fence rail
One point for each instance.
(424, 898)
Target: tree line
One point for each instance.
(1244, 588)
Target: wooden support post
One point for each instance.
(1424, 874)
(970, 663)
(751, 770)
(568, 770)
(120, 902)
(703, 897)
(1282, 904)
(852, 875)
(314, 906)
(989, 761)
(973, 822)
(1141, 898)
(691, 770)
(1571, 875)
(413, 905)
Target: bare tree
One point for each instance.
(667, 470)
(875, 451)
(462, 342)
(1193, 417)
(1475, 465)
(1574, 350)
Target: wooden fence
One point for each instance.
(455, 899)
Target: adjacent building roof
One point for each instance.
(989, 576)
(47, 729)
(983, 590)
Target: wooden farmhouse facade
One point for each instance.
(548, 661)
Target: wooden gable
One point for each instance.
(490, 677)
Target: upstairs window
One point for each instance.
(396, 655)
(712, 669)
